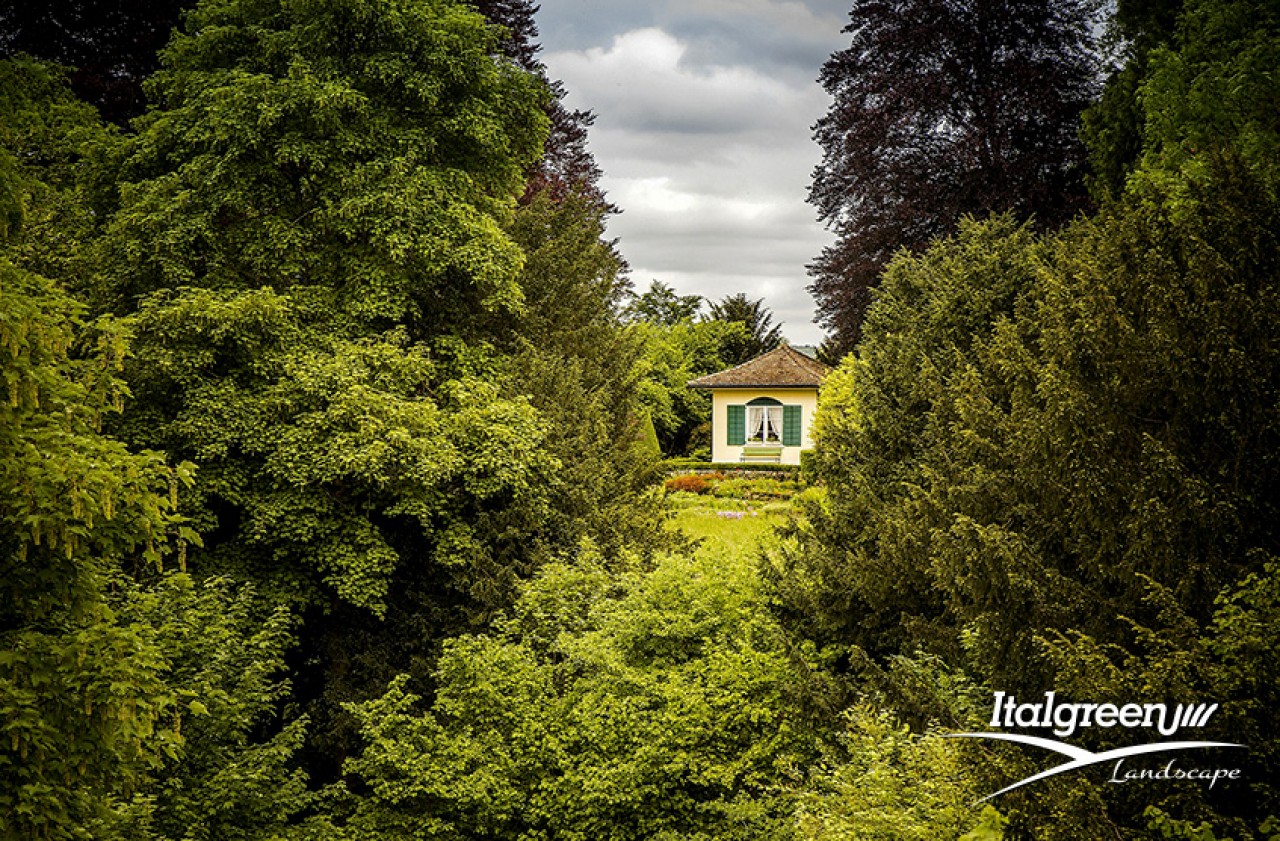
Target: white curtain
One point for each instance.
(764, 424)
(774, 420)
(755, 422)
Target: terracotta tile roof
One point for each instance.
(782, 367)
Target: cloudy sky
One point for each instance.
(704, 115)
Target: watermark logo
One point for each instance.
(1067, 718)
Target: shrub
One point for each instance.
(755, 488)
(691, 483)
(682, 465)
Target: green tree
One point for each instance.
(1069, 480)
(579, 367)
(660, 305)
(1211, 92)
(1112, 128)
(895, 785)
(134, 701)
(310, 239)
(878, 421)
(289, 151)
(612, 703)
(762, 334)
(83, 705)
(1197, 75)
(1038, 432)
(671, 356)
(567, 356)
(236, 775)
(48, 141)
(310, 233)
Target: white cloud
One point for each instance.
(658, 197)
(659, 92)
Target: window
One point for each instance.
(764, 422)
(764, 425)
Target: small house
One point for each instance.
(761, 410)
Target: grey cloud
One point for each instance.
(648, 87)
(788, 40)
(704, 109)
(786, 35)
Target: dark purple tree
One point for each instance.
(567, 165)
(944, 108)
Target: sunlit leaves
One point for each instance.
(615, 704)
(83, 705)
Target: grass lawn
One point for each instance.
(727, 527)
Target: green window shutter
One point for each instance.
(790, 426)
(737, 425)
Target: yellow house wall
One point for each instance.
(722, 398)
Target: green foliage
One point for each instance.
(44, 128)
(1214, 91)
(876, 433)
(571, 278)
(761, 334)
(896, 785)
(782, 472)
(315, 241)
(68, 489)
(577, 366)
(1053, 460)
(990, 826)
(1199, 77)
(313, 433)
(640, 705)
(649, 438)
(1180, 830)
(985, 464)
(98, 673)
(293, 149)
(759, 488)
(425, 428)
(82, 703)
(1112, 129)
(671, 357)
(1229, 660)
(660, 305)
(403, 392)
(48, 140)
(235, 776)
(311, 225)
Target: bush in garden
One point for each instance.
(691, 483)
(762, 488)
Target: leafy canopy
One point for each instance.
(762, 334)
(943, 108)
